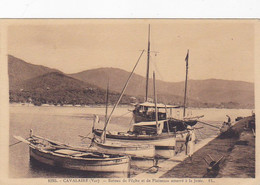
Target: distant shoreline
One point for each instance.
(68, 105)
(110, 106)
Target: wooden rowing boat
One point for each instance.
(74, 158)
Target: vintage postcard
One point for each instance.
(129, 101)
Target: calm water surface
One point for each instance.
(65, 124)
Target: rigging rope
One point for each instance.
(154, 63)
(124, 114)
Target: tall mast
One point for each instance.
(155, 103)
(107, 93)
(186, 81)
(148, 63)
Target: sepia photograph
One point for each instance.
(131, 98)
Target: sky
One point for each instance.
(221, 49)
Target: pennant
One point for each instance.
(187, 58)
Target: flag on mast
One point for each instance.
(187, 58)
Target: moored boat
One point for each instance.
(161, 141)
(145, 111)
(134, 150)
(74, 158)
(144, 132)
(153, 127)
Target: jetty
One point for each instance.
(234, 152)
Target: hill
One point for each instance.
(57, 88)
(19, 70)
(51, 85)
(205, 93)
(117, 79)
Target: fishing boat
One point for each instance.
(152, 134)
(151, 127)
(145, 111)
(136, 150)
(74, 158)
(163, 141)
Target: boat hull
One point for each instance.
(179, 125)
(134, 150)
(162, 141)
(120, 164)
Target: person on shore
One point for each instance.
(190, 142)
(229, 120)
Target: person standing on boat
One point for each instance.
(190, 142)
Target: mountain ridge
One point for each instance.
(19, 70)
(223, 91)
(58, 88)
(207, 92)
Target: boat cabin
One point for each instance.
(148, 128)
(146, 111)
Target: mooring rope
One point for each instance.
(124, 114)
(17, 143)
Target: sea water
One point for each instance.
(67, 124)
